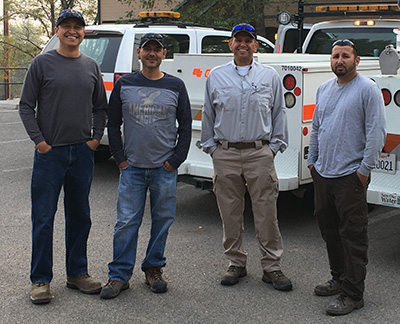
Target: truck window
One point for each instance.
(264, 47)
(215, 44)
(370, 41)
(219, 44)
(101, 47)
(291, 40)
(176, 43)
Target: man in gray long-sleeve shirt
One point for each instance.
(243, 128)
(63, 108)
(348, 132)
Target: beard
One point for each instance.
(343, 69)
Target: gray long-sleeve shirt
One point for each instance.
(245, 108)
(348, 129)
(63, 100)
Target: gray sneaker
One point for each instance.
(278, 279)
(40, 293)
(329, 288)
(232, 275)
(343, 305)
(113, 288)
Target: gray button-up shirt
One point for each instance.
(245, 108)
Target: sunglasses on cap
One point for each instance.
(244, 27)
(345, 42)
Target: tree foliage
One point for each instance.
(31, 25)
(224, 13)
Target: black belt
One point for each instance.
(245, 145)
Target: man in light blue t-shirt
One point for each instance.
(348, 132)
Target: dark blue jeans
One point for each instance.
(71, 167)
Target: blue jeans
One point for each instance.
(71, 167)
(133, 185)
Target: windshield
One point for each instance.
(369, 41)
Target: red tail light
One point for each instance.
(289, 82)
(387, 96)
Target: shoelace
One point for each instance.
(331, 282)
(277, 274)
(155, 273)
(341, 299)
(232, 269)
(112, 283)
(41, 284)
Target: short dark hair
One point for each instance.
(346, 42)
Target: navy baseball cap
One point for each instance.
(151, 37)
(70, 13)
(247, 28)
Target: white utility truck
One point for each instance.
(300, 80)
(385, 186)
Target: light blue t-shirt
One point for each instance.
(348, 129)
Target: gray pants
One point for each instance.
(342, 213)
(233, 169)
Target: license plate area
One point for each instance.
(386, 163)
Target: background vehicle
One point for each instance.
(287, 37)
(371, 31)
(370, 36)
(114, 48)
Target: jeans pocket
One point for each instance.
(45, 153)
(89, 147)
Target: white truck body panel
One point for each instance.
(384, 188)
(309, 71)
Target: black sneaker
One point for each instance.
(155, 280)
(329, 288)
(343, 305)
(278, 279)
(113, 288)
(232, 275)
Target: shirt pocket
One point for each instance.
(225, 99)
(262, 99)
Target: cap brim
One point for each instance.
(243, 31)
(152, 40)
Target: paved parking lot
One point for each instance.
(195, 260)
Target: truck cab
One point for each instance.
(370, 36)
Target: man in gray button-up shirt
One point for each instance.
(243, 128)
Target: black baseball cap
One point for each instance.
(247, 28)
(151, 37)
(70, 13)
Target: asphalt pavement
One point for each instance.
(194, 253)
